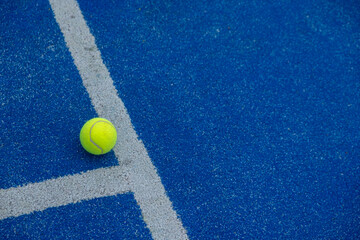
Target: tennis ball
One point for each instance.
(98, 136)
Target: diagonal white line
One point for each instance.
(144, 181)
(97, 183)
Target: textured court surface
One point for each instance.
(250, 112)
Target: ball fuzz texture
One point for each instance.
(98, 136)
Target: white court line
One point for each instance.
(156, 208)
(97, 183)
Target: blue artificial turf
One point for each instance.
(249, 110)
(116, 217)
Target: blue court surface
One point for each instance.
(248, 110)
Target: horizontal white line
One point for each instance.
(62, 191)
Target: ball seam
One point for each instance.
(102, 151)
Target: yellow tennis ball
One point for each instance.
(98, 136)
